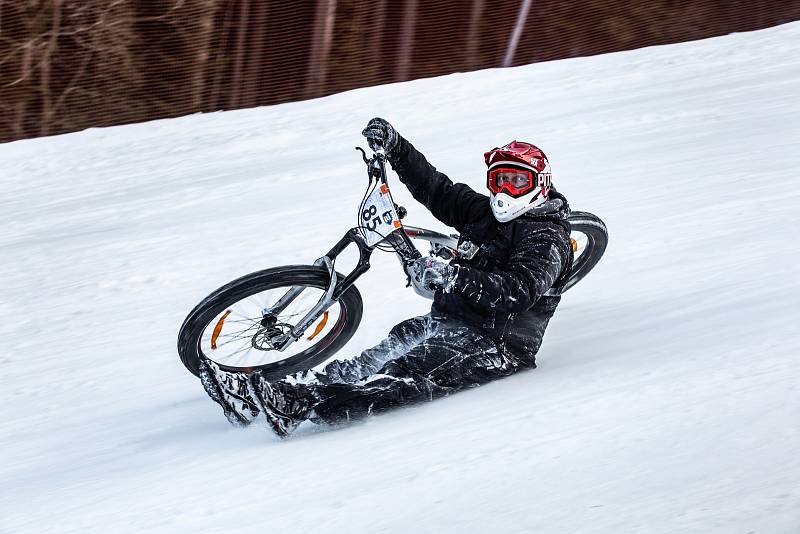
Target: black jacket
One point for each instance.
(502, 289)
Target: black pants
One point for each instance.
(423, 358)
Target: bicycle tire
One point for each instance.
(597, 240)
(191, 332)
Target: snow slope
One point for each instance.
(667, 398)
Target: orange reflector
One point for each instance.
(320, 326)
(384, 188)
(397, 224)
(574, 245)
(218, 329)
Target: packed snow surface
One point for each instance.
(667, 398)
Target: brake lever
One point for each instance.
(363, 154)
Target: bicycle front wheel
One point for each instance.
(228, 327)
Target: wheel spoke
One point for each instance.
(253, 320)
(235, 347)
(239, 332)
(246, 347)
(234, 340)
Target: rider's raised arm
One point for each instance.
(535, 264)
(454, 204)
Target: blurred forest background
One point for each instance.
(66, 65)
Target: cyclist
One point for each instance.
(491, 304)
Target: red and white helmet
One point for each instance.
(518, 178)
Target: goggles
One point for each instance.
(515, 182)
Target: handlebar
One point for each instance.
(376, 165)
(363, 154)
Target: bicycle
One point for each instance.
(263, 320)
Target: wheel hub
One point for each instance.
(270, 337)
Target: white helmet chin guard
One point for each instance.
(507, 208)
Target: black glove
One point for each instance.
(381, 134)
(435, 274)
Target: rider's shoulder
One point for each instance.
(536, 229)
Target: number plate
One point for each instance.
(378, 216)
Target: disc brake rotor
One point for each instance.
(265, 338)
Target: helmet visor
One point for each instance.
(515, 182)
(514, 149)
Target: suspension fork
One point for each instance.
(334, 291)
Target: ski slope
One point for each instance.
(667, 398)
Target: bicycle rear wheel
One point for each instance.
(589, 240)
(228, 326)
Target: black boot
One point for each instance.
(231, 391)
(284, 405)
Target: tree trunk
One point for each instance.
(18, 126)
(406, 46)
(473, 35)
(375, 28)
(201, 56)
(45, 68)
(320, 47)
(517, 33)
(253, 87)
(241, 43)
(215, 101)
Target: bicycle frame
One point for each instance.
(399, 240)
